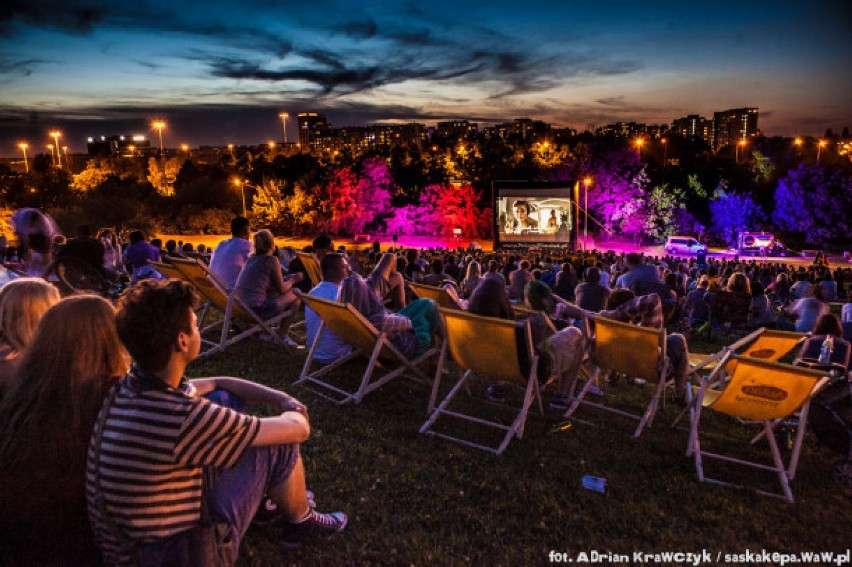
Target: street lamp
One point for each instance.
(24, 147)
(740, 144)
(820, 146)
(185, 149)
(665, 151)
(586, 182)
(52, 155)
(56, 134)
(65, 151)
(159, 125)
(231, 150)
(242, 185)
(284, 116)
(639, 142)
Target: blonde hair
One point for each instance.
(22, 304)
(264, 242)
(63, 377)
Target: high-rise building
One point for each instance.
(731, 126)
(694, 127)
(118, 145)
(457, 130)
(312, 127)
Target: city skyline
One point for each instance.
(220, 73)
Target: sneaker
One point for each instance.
(268, 512)
(316, 525)
(559, 402)
(496, 393)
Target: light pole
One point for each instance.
(231, 150)
(159, 125)
(586, 182)
(639, 142)
(665, 152)
(242, 185)
(56, 134)
(185, 149)
(52, 154)
(284, 116)
(65, 151)
(24, 147)
(820, 146)
(740, 144)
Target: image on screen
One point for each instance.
(525, 218)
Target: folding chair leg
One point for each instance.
(435, 414)
(648, 417)
(779, 463)
(579, 398)
(442, 359)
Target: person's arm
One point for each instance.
(248, 392)
(287, 428)
(567, 310)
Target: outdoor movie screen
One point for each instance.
(534, 215)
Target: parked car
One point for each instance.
(684, 245)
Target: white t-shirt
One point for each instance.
(229, 258)
(331, 346)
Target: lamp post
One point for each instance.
(131, 150)
(639, 142)
(56, 134)
(231, 150)
(665, 152)
(242, 185)
(52, 155)
(67, 161)
(820, 145)
(284, 116)
(159, 125)
(24, 147)
(185, 149)
(586, 182)
(740, 144)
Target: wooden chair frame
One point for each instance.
(437, 294)
(352, 327)
(496, 355)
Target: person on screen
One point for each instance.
(552, 223)
(522, 218)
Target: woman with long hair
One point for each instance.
(472, 279)
(22, 304)
(46, 420)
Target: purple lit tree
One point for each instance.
(815, 202)
(732, 213)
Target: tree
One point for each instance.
(814, 202)
(662, 209)
(162, 174)
(448, 207)
(267, 205)
(733, 213)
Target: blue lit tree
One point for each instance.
(813, 202)
(732, 213)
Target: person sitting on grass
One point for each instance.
(411, 330)
(138, 254)
(161, 450)
(46, 419)
(760, 313)
(591, 295)
(261, 284)
(828, 325)
(809, 308)
(23, 302)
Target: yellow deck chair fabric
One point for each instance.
(352, 327)
(312, 267)
(623, 348)
(167, 270)
(437, 294)
(762, 391)
(489, 347)
(233, 310)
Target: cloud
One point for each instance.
(77, 17)
(23, 67)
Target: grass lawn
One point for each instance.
(419, 500)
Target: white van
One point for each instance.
(684, 245)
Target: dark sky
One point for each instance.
(221, 71)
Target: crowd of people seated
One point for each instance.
(114, 368)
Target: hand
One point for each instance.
(289, 403)
(299, 276)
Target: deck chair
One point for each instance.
(758, 391)
(437, 294)
(312, 267)
(352, 327)
(235, 313)
(627, 349)
(167, 270)
(764, 344)
(487, 346)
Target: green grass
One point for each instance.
(419, 500)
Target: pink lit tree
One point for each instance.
(446, 207)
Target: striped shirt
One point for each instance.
(156, 440)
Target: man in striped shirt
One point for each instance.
(167, 468)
